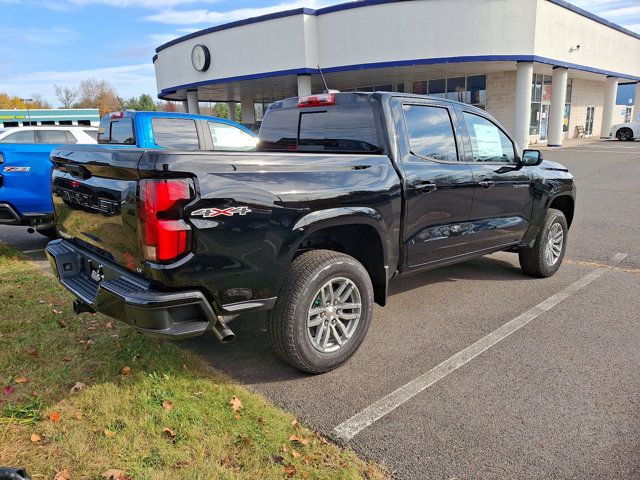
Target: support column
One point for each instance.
(555, 134)
(610, 92)
(192, 102)
(248, 109)
(304, 85)
(232, 111)
(185, 106)
(522, 117)
(636, 105)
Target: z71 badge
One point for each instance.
(214, 212)
(16, 169)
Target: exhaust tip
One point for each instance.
(228, 338)
(223, 332)
(31, 230)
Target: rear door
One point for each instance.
(503, 195)
(438, 186)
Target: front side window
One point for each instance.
(25, 136)
(430, 132)
(177, 133)
(55, 137)
(488, 142)
(230, 138)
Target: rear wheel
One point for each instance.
(624, 134)
(545, 257)
(323, 311)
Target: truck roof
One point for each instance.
(154, 114)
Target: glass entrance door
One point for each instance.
(588, 124)
(544, 121)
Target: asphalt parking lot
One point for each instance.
(476, 371)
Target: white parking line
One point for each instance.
(354, 425)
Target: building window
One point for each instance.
(472, 90)
(541, 93)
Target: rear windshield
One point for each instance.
(117, 131)
(347, 126)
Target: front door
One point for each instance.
(588, 124)
(438, 187)
(503, 196)
(544, 122)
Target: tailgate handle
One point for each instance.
(78, 171)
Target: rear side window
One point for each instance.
(488, 142)
(346, 127)
(55, 137)
(430, 132)
(230, 138)
(177, 133)
(26, 136)
(116, 131)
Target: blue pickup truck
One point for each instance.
(25, 169)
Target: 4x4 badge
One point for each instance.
(214, 212)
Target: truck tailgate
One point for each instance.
(95, 200)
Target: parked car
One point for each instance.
(28, 165)
(25, 171)
(625, 132)
(345, 192)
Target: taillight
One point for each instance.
(317, 100)
(116, 115)
(164, 235)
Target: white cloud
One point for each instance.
(128, 80)
(185, 17)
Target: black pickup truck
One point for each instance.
(344, 192)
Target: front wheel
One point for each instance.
(545, 256)
(624, 134)
(323, 311)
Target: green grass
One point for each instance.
(117, 420)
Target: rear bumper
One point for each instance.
(112, 290)
(10, 216)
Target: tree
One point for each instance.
(38, 101)
(221, 110)
(145, 102)
(10, 101)
(94, 93)
(66, 95)
(163, 106)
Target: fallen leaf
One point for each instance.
(32, 351)
(66, 359)
(8, 390)
(42, 301)
(289, 470)
(77, 387)
(78, 415)
(61, 323)
(115, 474)
(299, 439)
(277, 459)
(57, 312)
(109, 433)
(21, 380)
(169, 433)
(261, 420)
(54, 416)
(236, 404)
(109, 324)
(295, 453)
(307, 459)
(294, 423)
(167, 405)
(62, 475)
(126, 370)
(35, 437)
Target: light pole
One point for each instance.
(26, 102)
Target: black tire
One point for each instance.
(534, 261)
(50, 232)
(287, 322)
(624, 134)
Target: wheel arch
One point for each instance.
(348, 230)
(566, 204)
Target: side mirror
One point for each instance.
(531, 158)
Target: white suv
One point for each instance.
(51, 135)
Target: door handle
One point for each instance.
(426, 187)
(487, 183)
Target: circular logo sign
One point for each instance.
(200, 57)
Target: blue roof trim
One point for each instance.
(360, 4)
(400, 63)
(595, 18)
(155, 57)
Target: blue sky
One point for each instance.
(61, 42)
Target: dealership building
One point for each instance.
(546, 69)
